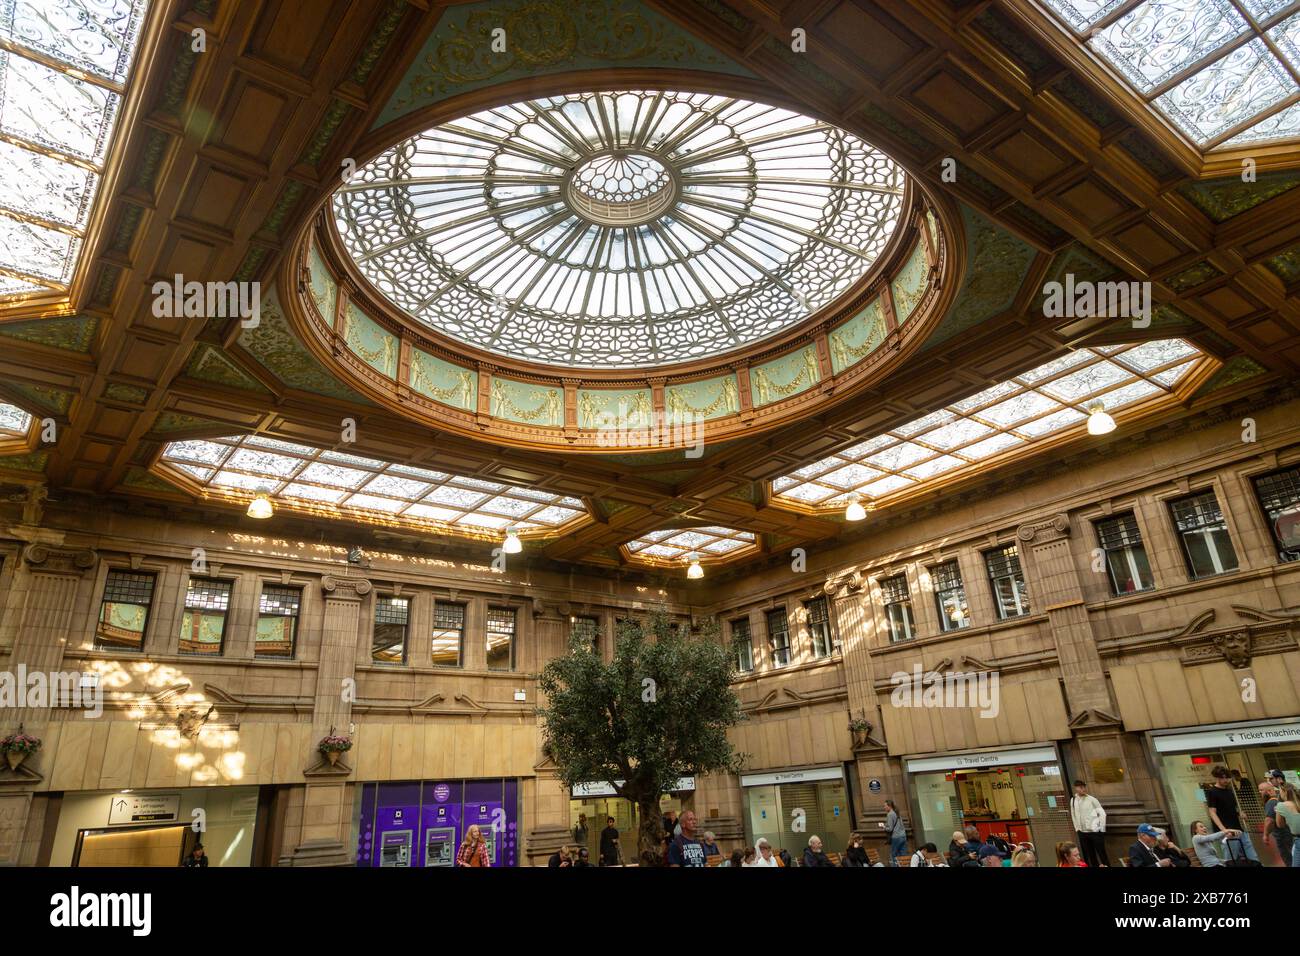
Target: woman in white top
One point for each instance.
(764, 856)
(1205, 843)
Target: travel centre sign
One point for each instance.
(602, 788)
(1231, 737)
(995, 758)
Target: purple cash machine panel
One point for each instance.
(397, 823)
(492, 805)
(440, 822)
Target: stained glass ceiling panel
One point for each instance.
(680, 545)
(1204, 64)
(63, 73)
(14, 422)
(1009, 416)
(620, 229)
(303, 478)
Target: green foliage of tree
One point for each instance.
(658, 711)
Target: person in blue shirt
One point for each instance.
(685, 850)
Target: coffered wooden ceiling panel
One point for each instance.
(1059, 168)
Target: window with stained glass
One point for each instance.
(203, 625)
(448, 634)
(124, 610)
(277, 621)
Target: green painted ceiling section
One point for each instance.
(211, 364)
(996, 263)
(1235, 370)
(543, 37)
(1221, 199)
(275, 346)
(40, 400)
(73, 333)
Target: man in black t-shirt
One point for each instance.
(1221, 801)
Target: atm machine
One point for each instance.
(440, 846)
(396, 848)
(490, 838)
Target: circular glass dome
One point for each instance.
(620, 230)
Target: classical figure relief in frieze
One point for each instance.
(1267, 632)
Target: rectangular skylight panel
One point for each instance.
(343, 458)
(395, 487)
(27, 247)
(261, 441)
(480, 484)
(1229, 91)
(990, 394)
(235, 479)
(460, 497)
(430, 513)
(194, 471)
(571, 502)
(1082, 14)
(924, 422)
(1017, 409)
(1151, 355)
(97, 36)
(899, 457)
(14, 419)
(419, 473)
(816, 468)
(850, 476)
(36, 185)
(208, 452)
(44, 106)
(1077, 386)
(263, 463)
(935, 466)
(11, 286)
(809, 493)
(483, 521)
(660, 551)
(688, 539)
(990, 446)
(723, 546)
(884, 486)
(335, 475)
(1172, 376)
(1283, 124)
(1287, 37)
(1160, 38)
(503, 505)
(958, 433)
(1129, 394)
(375, 503)
(1049, 423)
(554, 515)
(867, 447)
(1056, 366)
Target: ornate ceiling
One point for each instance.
(1040, 160)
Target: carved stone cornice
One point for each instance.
(785, 698)
(72, 561)
(1041, 532)
(344, 589)
(845, 584)
(1256, 633)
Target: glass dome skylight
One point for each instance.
(620, 229)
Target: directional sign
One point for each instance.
(127, 808)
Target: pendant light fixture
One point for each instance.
(855, 511)
(512, 543)
(1099, 421)
(260, 507)
(694, 570)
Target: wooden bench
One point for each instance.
(715, 860)
(873, 856)
(834, 858)
(903, 860)
(1191, 856)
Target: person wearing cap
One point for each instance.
(197, 857)
(1143, 852)
(1276, 831)
(990, 855)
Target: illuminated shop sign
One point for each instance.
(991, 758)
(1234, 737)
(791, 776)
(602, 788)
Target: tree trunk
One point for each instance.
(650, 833)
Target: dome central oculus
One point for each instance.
(620, 230)
(618, 188)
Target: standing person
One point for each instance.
(815, 855)
(1143, 852)
(1089, 819)
(896, 832)
(1288, 813)
(710, 847)
(1221, 801)
(685, 850)
(1276, 831)
(764, 855)
(670, 823)
(580, 830)
(197, 857)
(610, 848)
(473, 849)
(1069, 854)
